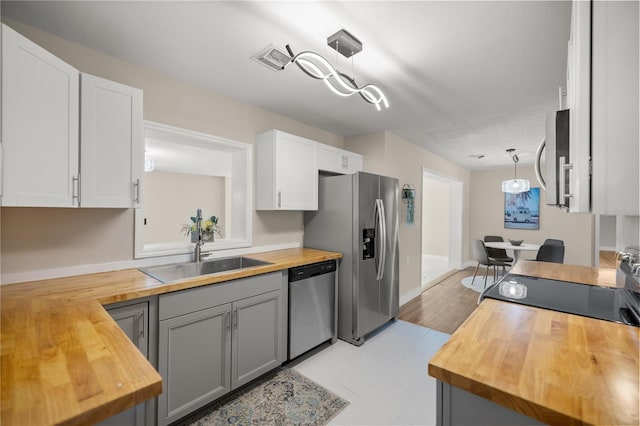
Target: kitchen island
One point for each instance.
(66, 361)
(549, 366)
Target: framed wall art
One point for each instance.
(522, 211)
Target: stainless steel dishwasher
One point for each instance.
(312, 306)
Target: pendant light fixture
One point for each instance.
(316, 66)
(515, 185)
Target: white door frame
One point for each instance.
(456, 200)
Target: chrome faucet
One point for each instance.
(197, 254)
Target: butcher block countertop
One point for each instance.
(557, 368)
(64, 359)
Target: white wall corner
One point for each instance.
(410, 295)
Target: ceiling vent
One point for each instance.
(272, 58)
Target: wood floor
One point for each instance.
(447, 304)
(444, 306)
(608, 259)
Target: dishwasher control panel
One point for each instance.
(308, 271)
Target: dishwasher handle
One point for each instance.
(307, 271)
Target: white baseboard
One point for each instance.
(435, 258)
(45, 274)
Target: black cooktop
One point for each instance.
(611, 304)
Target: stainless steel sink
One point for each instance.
(180, 271)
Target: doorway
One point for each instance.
(441, 227)
(614, 233)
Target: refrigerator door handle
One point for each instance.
(383, 239)
(383, 254)
(376, 220)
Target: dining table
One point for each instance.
(516, 249)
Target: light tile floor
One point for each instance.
(385, 380)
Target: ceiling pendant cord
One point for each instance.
(352, 69)
(515, 185)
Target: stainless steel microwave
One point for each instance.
(557, 163)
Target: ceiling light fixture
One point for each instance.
(316, 66)
(515, 185)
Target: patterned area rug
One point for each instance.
(286, 397)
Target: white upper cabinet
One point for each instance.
(40, 126)
(336, 160)
(579, 100)
(112, 144)
(64, 145)
(603, 101)
(286, 172)
(614, 120)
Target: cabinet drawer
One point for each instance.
(195, 299)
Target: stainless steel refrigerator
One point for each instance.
(358, 216)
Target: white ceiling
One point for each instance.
(462, 78)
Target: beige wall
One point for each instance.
(66, 237)
(170, 199)
(372, 147)
(435, 216)
(390, 155)
(33, 237)
(487, 212)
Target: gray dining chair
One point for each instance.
(495, 253)
(551, 253)
(553, 242)
(482, 257)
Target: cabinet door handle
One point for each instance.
(563, 169)
(279, 199)
(75, 190)
(235, 318)
(137, 187)
(227, 318)
(141, 325)
(136, 329)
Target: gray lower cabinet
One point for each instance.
(215, 338)
(194, 361)
(459, 407)
(134, 321)
(256, 337)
